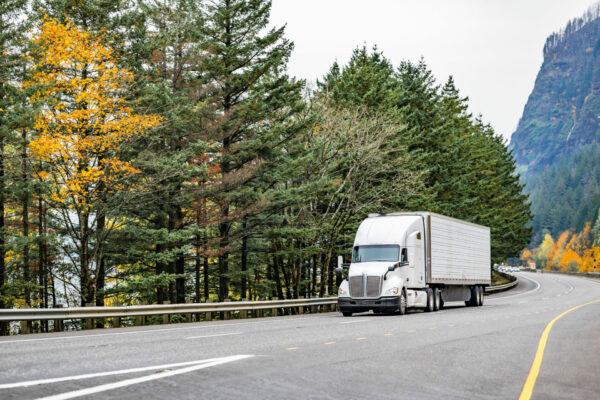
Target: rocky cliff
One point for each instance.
(563, 110)
(556, 141)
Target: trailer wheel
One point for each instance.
(437, 297)
(481, 291)
(473, 300)
(402, 306)
(429, 307)
(347, 314)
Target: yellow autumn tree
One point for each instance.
(542, 251)
(570, 261)
(83, 123)
(557, 251)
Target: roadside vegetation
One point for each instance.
(158, 151)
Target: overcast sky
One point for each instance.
(493, 48)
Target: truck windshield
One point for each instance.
(375, 253)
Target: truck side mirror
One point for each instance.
(339, 270)
(391, 268)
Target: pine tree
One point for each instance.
(11, 121)
(253, 98)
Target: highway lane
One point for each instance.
(459, 352)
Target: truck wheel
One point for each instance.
(402, 306)
(346, 314)
(429, 306)
(481, 292)
(437, 297)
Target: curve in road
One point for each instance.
(457, 353)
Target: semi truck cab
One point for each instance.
(391, 266)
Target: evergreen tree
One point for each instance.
(253, 99)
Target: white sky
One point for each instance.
(493, 48)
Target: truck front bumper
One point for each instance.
(381, 304)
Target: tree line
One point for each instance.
(158, 151)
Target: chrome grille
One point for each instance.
(373, 283)
(356, 286)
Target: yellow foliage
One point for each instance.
(573, 252)
(85, 117)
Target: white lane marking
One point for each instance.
(537, 287)
(354, 322)
(134, 381)
(98, 374)
(208, 325)
(218, 334)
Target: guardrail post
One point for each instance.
(166, 317)
(244, 313)
(226, 314)
(188, 316)
(313, 309)
(58, 323)
(141, 319)
(89, 322)
(117, 320)
(259, 313)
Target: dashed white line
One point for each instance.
(218, 334)
(354, 322)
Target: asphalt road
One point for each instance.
(457, 353)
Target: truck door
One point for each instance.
(414, 243)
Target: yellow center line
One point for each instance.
(433, 328)
(329, 343)
(451, 324)
(539, 354)
(292, 348)
(411, 331)
(388, 334)
(361, 338)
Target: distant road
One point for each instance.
(457, 353)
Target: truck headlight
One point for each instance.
(341, 292)
(392, 291)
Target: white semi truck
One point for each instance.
(415, 260)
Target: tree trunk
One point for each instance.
(244, 258)
(224, 254)
(87, 292)
(3, 325)
(197, 271)
(42, 275)
(25, 218)
(205, 272)
(179, 261)
(100, 273)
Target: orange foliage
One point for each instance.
(84, 118)
(573, 252)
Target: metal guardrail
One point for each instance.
(256, 308)
(501, 288)
(37, 314)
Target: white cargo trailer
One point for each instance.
(415, 259)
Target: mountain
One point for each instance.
(556, 141)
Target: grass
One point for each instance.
(498, 279)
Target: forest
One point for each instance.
(158, 151)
